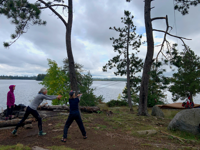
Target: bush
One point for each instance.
(114, 103)
(88, 99)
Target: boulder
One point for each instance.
(156, 111)
(186, 120)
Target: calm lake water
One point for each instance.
(27, 89)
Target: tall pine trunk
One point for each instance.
(148, 61)
(72, 72)
(128, 73)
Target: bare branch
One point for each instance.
(55, 12)
(166, 18)
(167, 33)
(53, 6)
(156, 18)
(171, 34)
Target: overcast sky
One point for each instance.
(90, 35)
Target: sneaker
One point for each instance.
(85, 137)
(14, 132)
(41, 133)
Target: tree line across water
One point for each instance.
(40, 77)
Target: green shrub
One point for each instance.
(114, 103)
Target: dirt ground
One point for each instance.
(101, 136)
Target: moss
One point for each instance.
(14, 147)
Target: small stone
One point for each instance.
(28, 126)
(66, 114)
(38, 148)
(147, 132)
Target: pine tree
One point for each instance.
(125, 64)
(184, 5)
(25, 14)
(186, 81)
(150, 52)
(157, 84)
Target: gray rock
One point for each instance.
(186, 120)
(21, 114)
(65, 114)
(156, 111)
(38, 148)
(28, 126)
(147, 132)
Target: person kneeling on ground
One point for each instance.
(74, 115)
(32, 109)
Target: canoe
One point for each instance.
(176, 106)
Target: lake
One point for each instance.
(27, 89)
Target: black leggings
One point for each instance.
(35, 114)
(69, 121)
(9, 111)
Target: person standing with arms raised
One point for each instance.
(32, 109)
(73, 115)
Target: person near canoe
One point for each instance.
(10, 102)
(32, 109)
(73, 115)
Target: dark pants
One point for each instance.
(9, 111)
(35, 114)
(71, 118)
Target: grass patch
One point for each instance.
(58, 125)
(61, 135)
(145, 144)
(15, 147)
(59, 148)
(102, 126)
(44, 120)
(58, 137)
(185, 135)
(170, 113)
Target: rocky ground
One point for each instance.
(118, 131)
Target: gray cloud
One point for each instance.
(90, 35)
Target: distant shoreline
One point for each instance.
(93, 79)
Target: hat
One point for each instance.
(71, 93)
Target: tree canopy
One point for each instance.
(125, 64)
(183, 6)
(186, 81)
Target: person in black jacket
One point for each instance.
(73, 115)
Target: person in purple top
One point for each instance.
(10, 102)
(73, 115)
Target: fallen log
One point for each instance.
(61, 108)
(13, 122)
